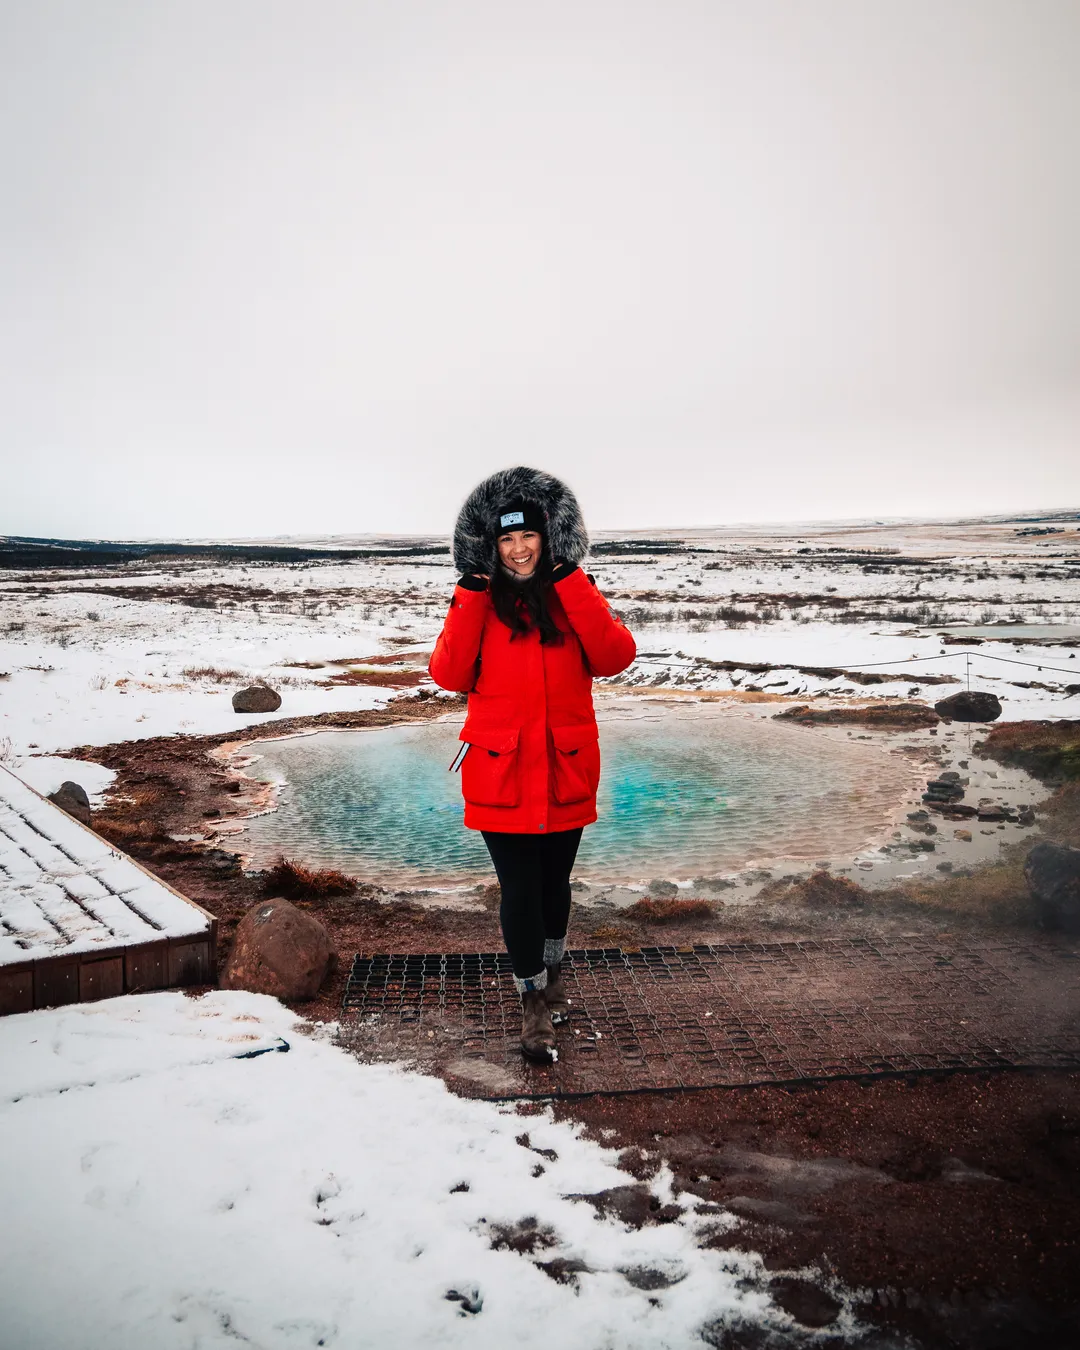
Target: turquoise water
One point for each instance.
(685, 792)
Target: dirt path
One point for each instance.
(730, 1015)
(953, 1202)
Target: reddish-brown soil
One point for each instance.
(956, 1201)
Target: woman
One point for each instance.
(526, 632)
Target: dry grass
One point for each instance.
(821, 890)
(294, 881)
(995, 894)
(611, 935)
(651, 909)
(119, 831)
(1061, 815)
(212, 673)
(1047, 750)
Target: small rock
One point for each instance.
(631, 1205)
(72, 798)
(963, 835)
(994, 812)
(256, 698)
(279, 950)
(650, 1278)
(969, 705)
(1052, 872)
(662, 889)
(808, 1304)
(956, 811)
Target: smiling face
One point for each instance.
(519, 551)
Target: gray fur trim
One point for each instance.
(554, 950)
(474, 533)
(533, 982)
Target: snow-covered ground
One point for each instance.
(95, 656)
(159, 1190)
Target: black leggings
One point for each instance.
(534, 875)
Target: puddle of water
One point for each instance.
(686, 791)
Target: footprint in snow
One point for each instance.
(469, 1297)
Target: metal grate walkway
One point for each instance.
(705, 1016)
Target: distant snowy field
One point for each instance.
(159, 1191)
(97, 656)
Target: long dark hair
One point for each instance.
(523, 605)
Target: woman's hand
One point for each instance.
(562, 569)
(473, 581)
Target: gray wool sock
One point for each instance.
(533, 982)
(554, 950)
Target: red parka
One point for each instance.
(533, 762)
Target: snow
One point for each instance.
(64, 891)
(107, 655)
(157, 1190)
(45, 773)
(161, 1191)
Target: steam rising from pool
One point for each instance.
(687, 791)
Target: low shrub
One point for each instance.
(294, 881)
(213, 673)
(1048, 750)
(993, 893)
(652, 909)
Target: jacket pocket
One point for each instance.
(489, 771)
(577, 763)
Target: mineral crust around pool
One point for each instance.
(687, 790)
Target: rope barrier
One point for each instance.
(900, 661)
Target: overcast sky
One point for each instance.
(317, 266)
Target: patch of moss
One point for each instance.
(1049, 751)
(651, 909)
(996, 894)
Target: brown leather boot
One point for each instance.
(537, 1033)
(555, 996)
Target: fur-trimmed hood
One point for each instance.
(476, 528)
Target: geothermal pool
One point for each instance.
(687, 791)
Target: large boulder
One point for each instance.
(256, 698)
(969, 705)
(72, 798)
(1053, 877)
(279, 950)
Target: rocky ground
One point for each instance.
(951, 1202)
